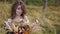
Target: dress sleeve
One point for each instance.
(6, 24)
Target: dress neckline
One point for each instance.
(20, 20)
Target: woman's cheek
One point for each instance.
(17, 13)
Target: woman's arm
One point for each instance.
(7, 25)
(26, 20)
(34, 23)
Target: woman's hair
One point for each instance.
(14, 7)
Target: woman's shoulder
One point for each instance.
(8, 20)
(25, 16)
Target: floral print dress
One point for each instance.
(14, 25)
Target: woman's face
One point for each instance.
(19, 10)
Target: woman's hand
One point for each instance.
(36, 21)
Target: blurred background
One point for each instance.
(47, 11)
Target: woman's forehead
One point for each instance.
(19, 6)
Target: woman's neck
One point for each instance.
(18, 17)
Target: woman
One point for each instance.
(17, 15)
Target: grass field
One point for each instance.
(49, 19)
